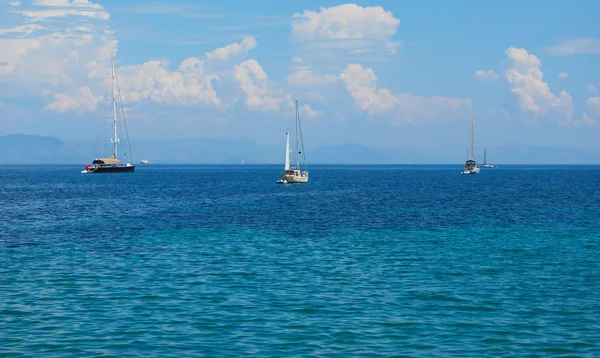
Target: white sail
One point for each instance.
(484, 156)
(287, 149)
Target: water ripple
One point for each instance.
(397, 261)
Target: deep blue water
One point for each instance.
(362, 261)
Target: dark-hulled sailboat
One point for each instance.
(112, 163)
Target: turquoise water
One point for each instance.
(363, 261)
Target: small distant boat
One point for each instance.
(144, 161)
(484, 164)
(293, 174)
(471, 166)
(112, 164)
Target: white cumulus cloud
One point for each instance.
(304, 76)
(152, 80)
(576, 47)
(38, 55)
(60, 8)
(563, 75)
(80, 101)
(485, 75)
(593, 106)
(225, 53)
(347, 27)
(252, 79)
(360, 82)
(533, 94)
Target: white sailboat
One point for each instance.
(293, 174)
(485, 164)
(471, 166)
(112, 163)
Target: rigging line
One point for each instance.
(296, 133)
(124, 122)
(301, 138)
(101, 132)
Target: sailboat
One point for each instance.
(112, 163)
(484, 164)
(471, 166)
(293, 174)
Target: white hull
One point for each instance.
(293, 180)
(471, 171)
(487, 166)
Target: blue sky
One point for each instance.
(402, 74)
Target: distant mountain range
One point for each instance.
(31, 149)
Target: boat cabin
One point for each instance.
(106, 161)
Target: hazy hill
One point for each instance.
(29, 149)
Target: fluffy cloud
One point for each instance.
(305, 110)
(563, 75)
(225, 53)
(485, 75)
(533, 94)
(252, 79)
(593, 106)
(361, 84)
(576, 47)
(304, 76)
(60, 8)
(309, 112)
(153, 81)
(38, 55)
(592, 88)
(67, 3)
(348, 21)
(80, 101)
(354, 28)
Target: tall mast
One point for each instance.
(115, 140)
(297, 144)
(301, 151)
(287, 150)
(473, 135)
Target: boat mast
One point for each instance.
(287, 150)
(302, 151)
(115, 140)
(473, 135)
(297, 146)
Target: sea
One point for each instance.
(363, 261)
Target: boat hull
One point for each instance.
(112, 169)
(471, 171)
(292, 180)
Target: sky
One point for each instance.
(397, 74)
